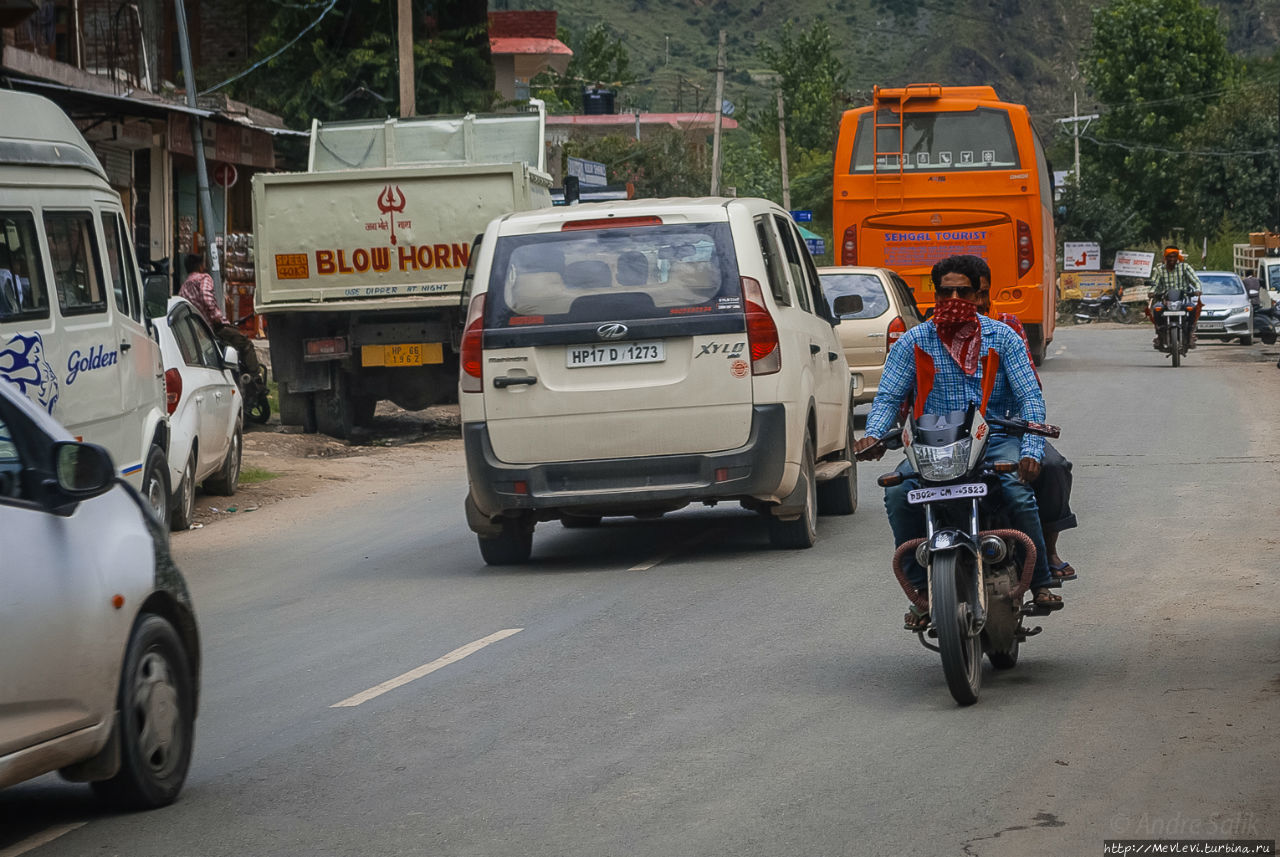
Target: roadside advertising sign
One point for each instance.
(1131, 263)
(1085, 284)
(1081, 256)
(588, 172)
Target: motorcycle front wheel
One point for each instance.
(1175, 344)
(954, 593)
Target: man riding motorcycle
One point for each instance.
(955, 338)
(1174, 274)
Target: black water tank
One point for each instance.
(597, 102)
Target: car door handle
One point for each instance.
(814, 348)
(125, 345)
(503, 381)
(873, 335)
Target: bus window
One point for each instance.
(932, 142)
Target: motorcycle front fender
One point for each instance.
(952, 539)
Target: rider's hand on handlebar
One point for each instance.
(868, 449)
(1028, 470)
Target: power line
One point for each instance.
(265, 60)
(1152, 147)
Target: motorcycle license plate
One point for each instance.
(1174, 313)
(947, 492)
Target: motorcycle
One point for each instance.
(1175, 318)
(970, 553)
(253, 388)
(1107, 306)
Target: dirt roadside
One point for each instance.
(283, 464)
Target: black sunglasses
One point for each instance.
(956, 290)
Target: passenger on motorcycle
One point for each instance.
(1053, 486)
(956, 337)
(1174, 274)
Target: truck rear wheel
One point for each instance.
(1035, 341)
(297, 409)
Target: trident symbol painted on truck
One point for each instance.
(391, 203)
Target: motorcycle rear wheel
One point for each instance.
(953, 591)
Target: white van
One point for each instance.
(631, 358)
(73, 335)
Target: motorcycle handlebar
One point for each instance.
(1019, 426)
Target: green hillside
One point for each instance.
(1027, 50)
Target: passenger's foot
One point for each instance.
(916, 620)
(1062, 571)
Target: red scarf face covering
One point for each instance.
(960, 331)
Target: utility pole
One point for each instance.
(408, 97)
(1277, 223)
(1077, 130)
(782, 147)
(719, 104)
(197, 146)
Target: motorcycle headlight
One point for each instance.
(941, 463)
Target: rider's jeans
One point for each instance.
(907, 521)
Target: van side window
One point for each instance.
(23, 293)
(794, 263)
(773, 262)
(124, 276)
(77, 270)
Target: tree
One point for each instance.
(1155, 64)
(346, 67)
(1090, 210)
(664, 163)
(599, 59)
(812, 81)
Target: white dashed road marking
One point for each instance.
(679, 547)
(42, 838)
(426, 669)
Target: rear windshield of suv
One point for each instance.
(636, 272)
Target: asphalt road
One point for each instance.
(675, 688)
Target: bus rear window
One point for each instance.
(610, 274)
(980, 139)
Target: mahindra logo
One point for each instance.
(614, 330)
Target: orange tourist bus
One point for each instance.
(928, 171)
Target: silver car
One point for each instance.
(100, 676)
(1227, 313)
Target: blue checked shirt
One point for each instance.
(1016, 393)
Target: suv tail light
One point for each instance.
(897, 327)
(849, 247)
(473, 347)
(172, 390)
(762, 333)
(1026, 252)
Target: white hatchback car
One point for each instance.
(100, 678)
(632, 358)
(206, 410)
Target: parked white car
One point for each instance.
(631, 358)
(206, 410)
(100, 680)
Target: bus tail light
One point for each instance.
(849, 247)
(473, 347)
(897, 327)
(172, 390)
(1026, 251)
(762, 333)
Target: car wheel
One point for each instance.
(511, 547)
(1247, 339)
(803, 531)
(184, 506)
(155, 484)
(155, 719)
(228, 477)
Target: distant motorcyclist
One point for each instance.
(198, 289)
(955, 338)
(1174, 274)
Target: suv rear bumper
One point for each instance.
(623, 485)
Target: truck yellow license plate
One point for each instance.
(406, 354)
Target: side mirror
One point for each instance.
(155, 294)
(847, 305)
(231, 358)
(82, 470)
